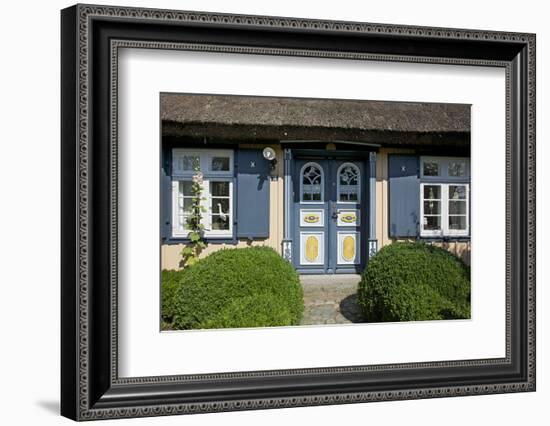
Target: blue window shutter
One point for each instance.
(404, 196)
(252, 194)
(165, 197)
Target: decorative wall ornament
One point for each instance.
(287, 250)
(373, 247)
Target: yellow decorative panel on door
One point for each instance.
(348, 248)
(348, 217)
(312, 217)
(312, 250)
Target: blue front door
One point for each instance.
(330, 214)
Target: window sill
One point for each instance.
(446, 238)
(225, 239)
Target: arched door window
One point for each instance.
(349, 183)
(311, 185)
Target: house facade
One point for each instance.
(326, 183)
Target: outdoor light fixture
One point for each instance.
(270, 155)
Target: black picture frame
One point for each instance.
(90, 386)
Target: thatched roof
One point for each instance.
(255, 118)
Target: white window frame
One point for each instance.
(432, 232)
(444, 180)
(177, 231)
(359, 177)
(205, 156)
(443, 164)
(444, 212)
(322, 200)
(207, 218)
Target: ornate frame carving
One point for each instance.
(91, 388)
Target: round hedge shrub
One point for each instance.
(413, 282)
(169, 280)
(252, 311)
(230, 288)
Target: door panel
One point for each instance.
(349, 201)
(312, 218)
(310, 215)
(348, 250)
(348, 217)
(330, 202)
(312, 248)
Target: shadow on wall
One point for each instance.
(460, 249)
(210, 248)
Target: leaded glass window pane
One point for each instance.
(432, 192)
(220, 205)
(457, 207)
(186, 188)
(189, 163)
(185, 203)
(457, 169)
(219, 189)
(432, 223)
(457, 222)
(432, 207)
(312, 183)
(431, 168)
(457, 192)
(219, 223)
(220, 164)
(348, 183)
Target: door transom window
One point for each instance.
(349, 183)
(311, 183)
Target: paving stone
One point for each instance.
(330, 299)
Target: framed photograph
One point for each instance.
(263, 212)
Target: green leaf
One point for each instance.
(187, 251)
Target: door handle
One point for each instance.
(333, 210)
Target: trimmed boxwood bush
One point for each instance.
(169, 280)
(412, 282)
(230, 288)
(252, 311)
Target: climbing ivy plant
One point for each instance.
(190, 254)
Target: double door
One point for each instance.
(330, 214)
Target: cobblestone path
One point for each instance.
(330, 299)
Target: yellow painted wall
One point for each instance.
(170, 254)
